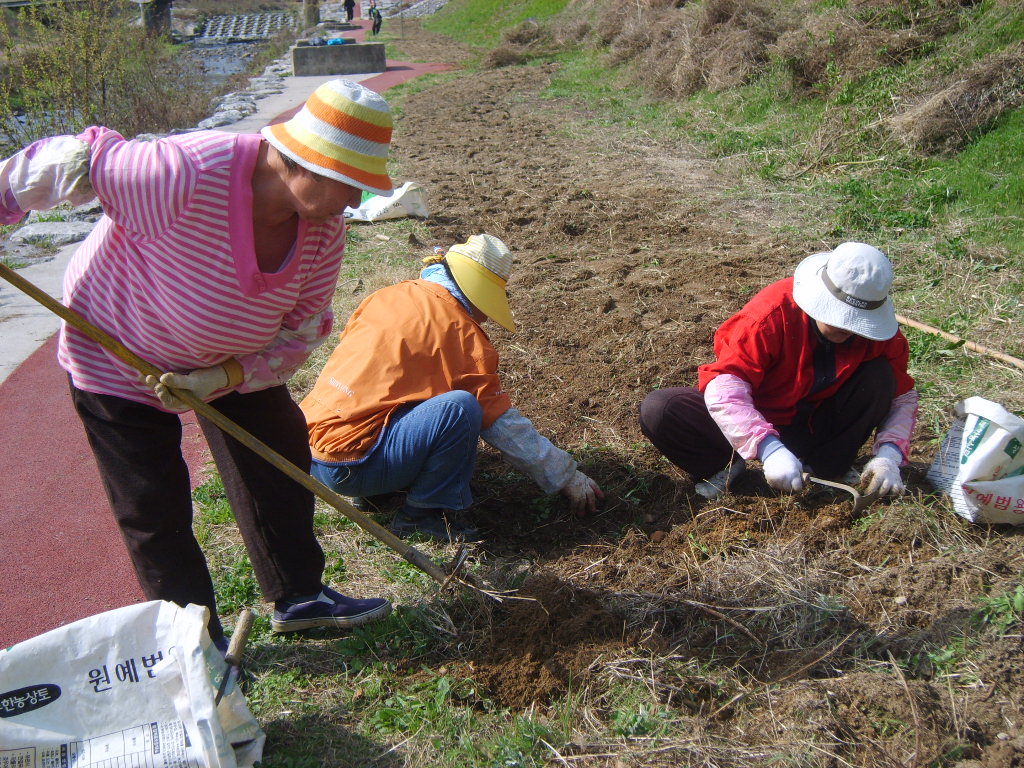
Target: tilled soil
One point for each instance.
(629, 253)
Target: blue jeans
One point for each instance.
(428, 449)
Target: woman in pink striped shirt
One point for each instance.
(216, 261)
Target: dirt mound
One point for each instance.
(549, 634)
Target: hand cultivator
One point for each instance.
(860, 501)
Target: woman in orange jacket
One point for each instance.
(413, 385)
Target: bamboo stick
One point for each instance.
(973, 346)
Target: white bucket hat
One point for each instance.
(848, 288)
(481, 267)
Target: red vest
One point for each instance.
(770, 343)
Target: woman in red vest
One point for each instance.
(804, 374)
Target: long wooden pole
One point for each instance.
(974, 347)
(379, 532)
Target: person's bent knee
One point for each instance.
(659, 411)
(464, 407)
(652, 409)
(878, 373)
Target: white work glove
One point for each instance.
(202, 382)
(882, 474)
(783, 470)
(582, 493)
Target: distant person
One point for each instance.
(376, 17)
(804, 374)
(350, 9)
(216, 261)
(413, 385)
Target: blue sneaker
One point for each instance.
(329, 609)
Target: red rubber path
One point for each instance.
(61, 554)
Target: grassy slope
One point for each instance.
(949, 221)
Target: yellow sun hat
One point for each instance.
(481, 267)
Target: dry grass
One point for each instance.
(676, 52)
(824, 51)
(953, 112)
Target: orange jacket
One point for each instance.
(405, 343)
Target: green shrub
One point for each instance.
(71, 65)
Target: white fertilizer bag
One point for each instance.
(981, 464)
(130, 687)
(408, 200)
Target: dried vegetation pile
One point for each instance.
(676, 49)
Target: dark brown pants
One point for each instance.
(677, 422)
(138, 451)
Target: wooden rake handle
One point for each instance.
(239, 637)
(379, 532)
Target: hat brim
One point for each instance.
(382, 184)
(813, 297)
(482, 287)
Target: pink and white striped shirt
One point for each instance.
(170, 270)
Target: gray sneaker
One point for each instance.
(718, 483)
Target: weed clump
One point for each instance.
(955, 112)
(828, 50)
(519, 44)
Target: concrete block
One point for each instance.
(348, 59)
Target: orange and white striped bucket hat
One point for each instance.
(343, 132)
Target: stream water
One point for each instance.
(219, 61)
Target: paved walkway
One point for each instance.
(61, 556)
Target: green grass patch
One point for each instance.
(481, 22)
(1001, 611)
(211, 502)
(13, 263)
(985, 181)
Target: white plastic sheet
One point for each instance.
(130, 687)
(981, 464)
(408, 200)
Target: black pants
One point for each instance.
(138, 451)
(677, 422)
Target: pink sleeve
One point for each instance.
(143, 185)
(899, 424)
(43, 175)
(731, 405)
(278, 361)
